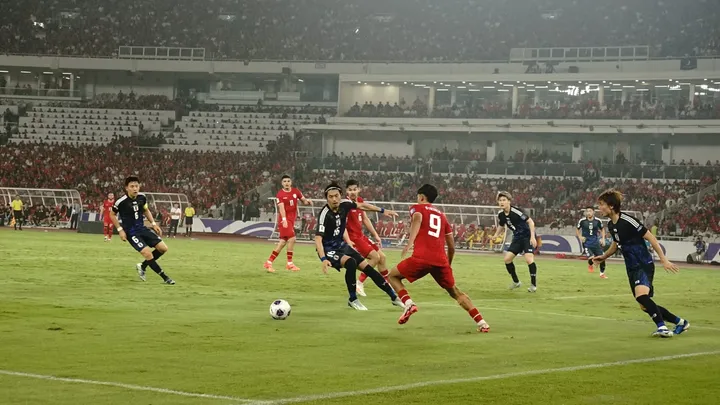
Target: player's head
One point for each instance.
(111, 196)
(333, 194)
(504, 198)
(589, 212)
(286, 182)
(352, 187)
(609, 202)
(132, 186)
(427, 193)
(177, 205)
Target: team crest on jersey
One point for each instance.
(294, 195)
(591, 227)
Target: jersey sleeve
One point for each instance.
(447, 229)
(116, 206)
(634, 227)
(320, 225)
(520, 213)
(299, 194)
(501, 219)
(277, 198)
(600, 225)
(347, 205)
(579, 224)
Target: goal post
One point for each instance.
(473, 225)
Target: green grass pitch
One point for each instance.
(72, 307)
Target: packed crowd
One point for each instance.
(370, 30)
(568, 108)
(703, 218)
(206, 178)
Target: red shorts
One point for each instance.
(365, 246)
(287, 233)
(107, 221)
(413, 269)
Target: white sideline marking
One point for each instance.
(600, 318)
(405, 387)
(126, 386)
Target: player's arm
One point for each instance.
(450, 242)
(281, 210)
(603, 235)
(531, 224)
(578, 233)
(414, 230)
(319, 248)
(116, 223)
(149, 216)
(369, 207)
(611, 251)
(305, 200)
(346, 238)
(369, 226)
(667, 264)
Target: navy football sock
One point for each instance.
(602, 267)
(511, 270)
(533, 273)
(651, 308)
(379, 281)
(668, 316)
(156, 255)
(351, 278)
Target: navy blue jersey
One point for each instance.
(331, 225)
(516, 220)
(590, 230)
(131, 213)
(628, 233)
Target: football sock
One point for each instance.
(405, 297)
(289, 256)
(362, 278)
(533, 273)
(590, 262)
(511, 270)
(669, 316)
(273, 256)
(467, 305)
(602, 267)
(379, 281)
(651, 308)
(156, 255)
(350, 278)
(475, 315)
(156, 268)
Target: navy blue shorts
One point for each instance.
(593, 250)
(521, 245)
(144, 238)
(642, 275)
(335, 256)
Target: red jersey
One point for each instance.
(355, 222)
(107, 206)
(430, 240)
(289, 200)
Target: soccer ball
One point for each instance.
(280, 309)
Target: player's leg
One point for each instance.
(290, 249)
(641, 285)
(532, 268)
(350, 265)
(411, 270)
(109, 231)
(513, 251)
(378, 279)
(464, 301)
(160, 248)
(597, 251)
(275, 253)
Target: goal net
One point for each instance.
(44, 206)
(473, 225)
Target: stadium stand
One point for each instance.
(419, 30)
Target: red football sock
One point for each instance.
(273, 256)
(362, 278)
(475, 315)
(384, 273)
(289, 256)
(404, 296)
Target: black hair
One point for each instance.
(612, 198)
(131, 179)
(429, 191)
(333, 186)
(590, 208)
(285, 176)
(352, 182)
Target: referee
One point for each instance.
(189, 214)
(17, 208)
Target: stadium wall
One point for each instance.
(552, 244)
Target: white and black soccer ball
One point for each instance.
(280, 309)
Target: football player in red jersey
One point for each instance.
(107, 221)
(429, 232)
(366, 247)
(287, 202)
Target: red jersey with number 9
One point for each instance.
(430, 240)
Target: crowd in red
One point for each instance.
(206, 178)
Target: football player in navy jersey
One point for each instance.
(523, 227)
(629, 235)
(132, 209)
